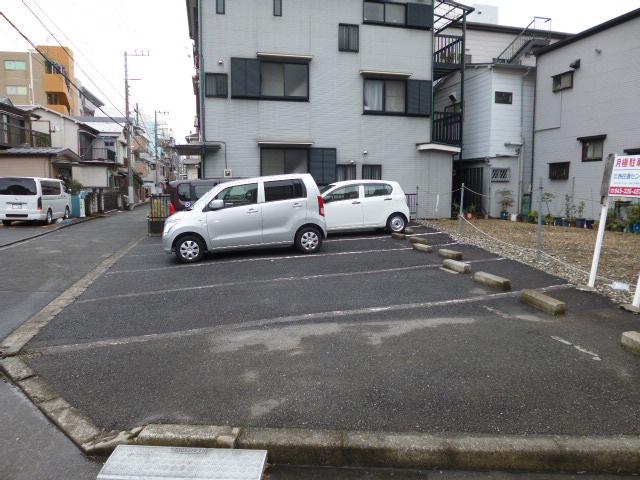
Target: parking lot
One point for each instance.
(369, 334)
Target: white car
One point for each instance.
(33, 199)
(365, 204)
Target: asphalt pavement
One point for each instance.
(367, 335)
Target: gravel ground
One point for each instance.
(571, 249)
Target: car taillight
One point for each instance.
(172, 208)
(39, 203)
(321, 205)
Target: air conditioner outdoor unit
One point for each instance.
(228, 173)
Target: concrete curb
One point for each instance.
(42, 234)
(542, 453)
(631, 342)
(493, 281)
(631, 308)
(543, 302)
(420, 247)
(17, 339)
(456, 266)
(398, 236)
(450, 254)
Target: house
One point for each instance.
(189, 168)
(34, 79)
(587, 106)
(339, 88)
(498, 82)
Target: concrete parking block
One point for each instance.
(450, 254)
(631, 342)
(543, 302)
(420, 247)
(398, 236)
(409, 231)
(493, 281)
(204, 436)
(456, 266)
(421, 240)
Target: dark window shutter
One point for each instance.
(322, 165)
(419, 97)
(245, 77)
(419, 15)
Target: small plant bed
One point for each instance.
(620, 259)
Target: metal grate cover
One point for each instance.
(137, 462)
(500, 174)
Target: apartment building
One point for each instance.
(498, 83)
(587, 104)
(29, 78)
(339, 88)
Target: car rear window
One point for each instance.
(18, 186)
(283, 190)
(377, 189)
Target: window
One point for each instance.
(377, 190)
(411, 15)
(277, 161)
(50, 188)
(17, 186)
(592, 148)
(345, 172)
(184, 192)
(215, 85)
(277, 8)
(322, 165)
(372, 172)
(348, 38)
(15, 65)
(384, 95)
(284, 190)
(284, 80)
(220, 7)
(239, 195)
(559, 171)
(16, 90)
(350, 192)
(562, 81)
(500, 174)
(504, 97)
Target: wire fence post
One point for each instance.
(539, 226)
(460, 214)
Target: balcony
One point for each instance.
(16, 136)
(97, 153)
(448, 55)
(447, 128)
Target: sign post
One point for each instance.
(624, 182)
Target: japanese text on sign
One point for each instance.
(625, 177)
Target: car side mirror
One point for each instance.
(216, 204)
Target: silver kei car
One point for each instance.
(249, 213)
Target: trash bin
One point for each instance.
(77, 205)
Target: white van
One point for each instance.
(33, 199)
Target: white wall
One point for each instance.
(91, 176)
(604, 99)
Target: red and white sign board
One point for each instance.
(625, 176)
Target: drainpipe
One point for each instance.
(522, 142)
(201, 120)
(33, 95)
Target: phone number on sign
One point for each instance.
(634, 191)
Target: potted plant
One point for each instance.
(569, 210)
(506, 202)
(548, 219)
(581, 222)
(533, 216)
(469, 212)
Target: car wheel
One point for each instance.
(49, 219)
(308, 240)
(6, 223)
(66, 213)
(189, 249)
(396, 223)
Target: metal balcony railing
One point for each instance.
(448, 49)
(16, 136)
(97, 153)
(447, 128)
(536, 34)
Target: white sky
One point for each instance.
(101, 30)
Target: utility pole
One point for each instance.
(155, 140)
(130, 181)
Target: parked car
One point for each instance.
(258, 212)
(33, 199)
(185, 193)
(365, 204)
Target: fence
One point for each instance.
(412, 202)
(159, 212)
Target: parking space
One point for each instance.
(367, 334)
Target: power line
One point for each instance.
(72, 59)
(77, 49)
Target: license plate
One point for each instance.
(16, 206)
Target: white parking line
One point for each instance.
(382, 237)
(277, 320)
(260, 259)
(594, 356)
